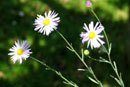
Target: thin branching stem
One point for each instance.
(116, 72)
(66, 81)
(113, 64)
(81, 59)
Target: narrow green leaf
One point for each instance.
(69, 48)
(120, 75)
(92, 80)
(82, 69)
(65, 83)
(115, 66)
(110, 48)
(103, 60)
(118, 81)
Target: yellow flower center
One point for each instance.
(46, 21)
(91, 34)
(19, 51)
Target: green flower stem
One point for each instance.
(82, 60)
(120, 81)
(66, 81)
(108, 44)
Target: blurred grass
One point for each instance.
(17, 17)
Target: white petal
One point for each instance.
(86, 27)
(95, 43)
(99, 29)
(96, 25)
(20, 60)
(100, 41)
(91, 26)
(88, 43)
(84, 34)
(11, 53)
(49, 13)
(99, 36)
(84, 40)
(17, 44)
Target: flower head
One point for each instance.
(88, 3)
(20, 51)
(92, 35)
(47, 23)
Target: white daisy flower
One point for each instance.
(92, 35)
(20, 51)
(47, 23)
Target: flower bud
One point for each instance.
(88, 3)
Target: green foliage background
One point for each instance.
(16, 22)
